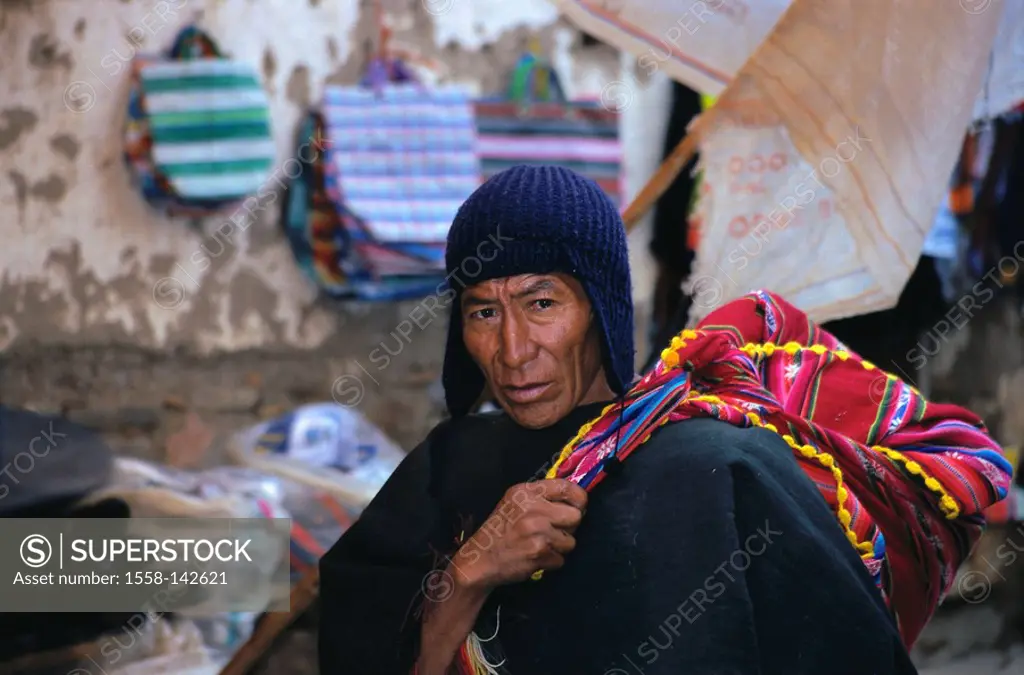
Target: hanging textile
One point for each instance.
(198, 137)
(404, 160)
(333, 247)
(535, 124)
(390, 162)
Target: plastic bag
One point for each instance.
(323, 446)
(152, 490)
(158, 491)
(224, 633)
(155, 491)
(318, 518)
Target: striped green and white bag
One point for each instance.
(199, 136)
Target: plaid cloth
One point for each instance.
(404, 160)
(544, 128)
(198, 137)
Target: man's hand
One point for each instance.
(531, 529)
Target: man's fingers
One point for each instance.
(552, 561)
(561, 490)
(563, 516)
(562, 542)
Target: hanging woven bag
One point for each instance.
(198, 138)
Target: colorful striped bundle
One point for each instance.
(883, 458)
(405, 159)
(535, 124)
(210, 121)
(199, 136)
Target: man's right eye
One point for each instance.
(487, 313)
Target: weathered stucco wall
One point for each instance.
(125, 319)
(88, 262)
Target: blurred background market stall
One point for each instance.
(220, 291)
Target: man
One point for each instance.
(658, 542)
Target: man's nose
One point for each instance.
(517, 347)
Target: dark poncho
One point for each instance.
(707, 551)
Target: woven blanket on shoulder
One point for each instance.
(908, 479)
(210, 124)
(405, 158)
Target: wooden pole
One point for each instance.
(273, 625)
(661, 180)
(52, 660)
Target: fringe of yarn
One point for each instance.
(472, 656)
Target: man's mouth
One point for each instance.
(526, 393)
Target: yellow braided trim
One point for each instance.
(670, 358)
(810, 452)
(670, 355)
(791, 348)
(571, 445)
(948, 505)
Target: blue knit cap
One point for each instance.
(537, 220)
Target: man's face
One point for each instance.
(533, 337)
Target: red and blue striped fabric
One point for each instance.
(909, 480)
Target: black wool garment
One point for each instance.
(708, 551)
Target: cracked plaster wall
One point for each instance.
(83, 253)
